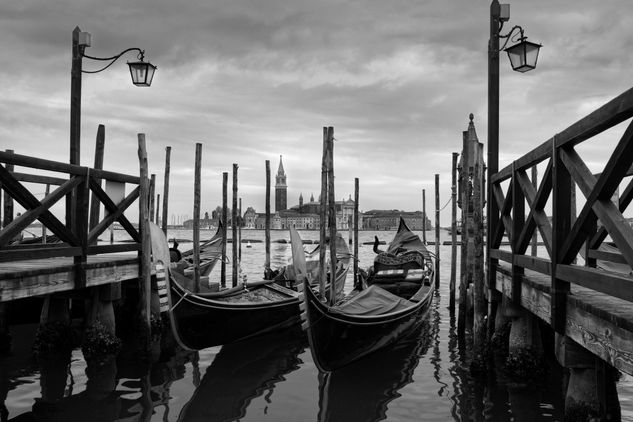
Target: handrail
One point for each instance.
(78, 239)
(49, 165)
(565, 235)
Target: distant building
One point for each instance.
(389, 219)
(304, 216)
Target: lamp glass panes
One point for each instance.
(523, 55)
(142, 73)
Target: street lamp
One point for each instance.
(142, 73)
(523, 56)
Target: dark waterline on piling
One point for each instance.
(422, 378)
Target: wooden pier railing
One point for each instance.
(522, 209)
(71, 195)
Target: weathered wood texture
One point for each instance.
(44, 276)
(166, 189)
(196, 217)
(234, 240)
(600, 323)
(267, 229)
(589, 302)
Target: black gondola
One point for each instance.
(201, 320)
(400, 291)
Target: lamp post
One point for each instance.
(523, 56)
(142, 73)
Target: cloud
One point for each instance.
(252, 80)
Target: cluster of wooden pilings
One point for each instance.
(518, 310)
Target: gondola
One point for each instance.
(201, 320)
(243, 371)
(399, 292)
(210, 254)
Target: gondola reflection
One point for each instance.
(363, 390)
(241, 372)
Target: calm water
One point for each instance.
(273, 378)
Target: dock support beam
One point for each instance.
(591, 391)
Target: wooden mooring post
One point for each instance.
(267, 270)
(234, 239)
(451, 303)
(166, 190)
(331, 213)
(196, 218)
(356, 280)
(437, 231)
(225, 180)
(145, 277)
(424, 216)
(323, 212)
(239, 231)
(152, 189)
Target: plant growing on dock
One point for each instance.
(53, 337)
(99, 342)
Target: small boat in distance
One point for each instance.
(399, 293)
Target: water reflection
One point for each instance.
(241, 372)
(362, 390)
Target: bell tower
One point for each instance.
(281, 189)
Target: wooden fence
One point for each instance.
(519, 209)
(77, 237)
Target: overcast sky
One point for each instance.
(255, 79)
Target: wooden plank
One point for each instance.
(499, 230)
(20, 223)
(115, 212)
(592, 320)
(532, 158)
(95, 206)
(501, 255)
(116, 248)
(601, 337)
(540, 265)
(534, 300)
(606, 256)
(561, 223)
(537, 217)
(7, 255)
(625, 199)
(613, 284)
(600, 189)
(42, 164)
(28, 201)
(36, 178)
(615, 111)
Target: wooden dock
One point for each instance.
(75, 260)
(579, 284)
(36, 277)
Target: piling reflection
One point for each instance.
(241, 372)
(363, 390)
